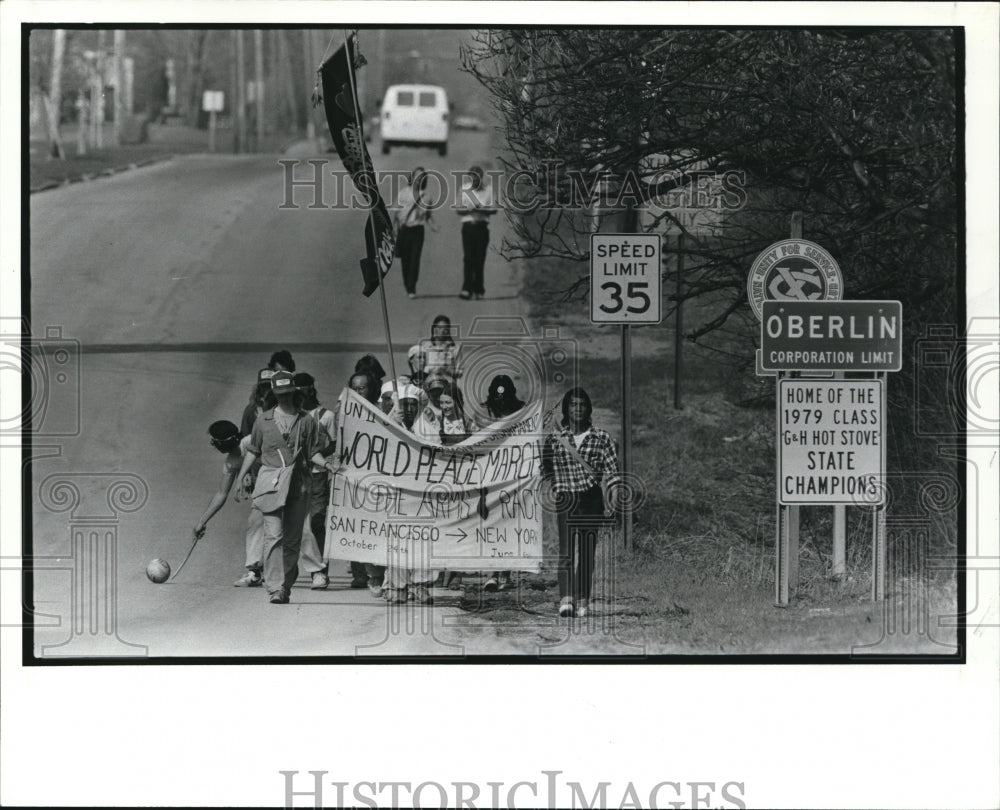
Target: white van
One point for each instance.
(415, 115)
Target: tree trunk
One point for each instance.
(119, 57)
(258, 75)
(195, 76)
(241, 86)
(287, 83)
(54, 102)
(310, 63)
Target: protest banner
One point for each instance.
(400, 499)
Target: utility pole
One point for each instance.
(54, 101)
(119, 56)
(241, 88)
(258, 65)
(310, 63)
(98, 118)
(382, 84)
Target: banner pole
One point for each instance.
(371, 224)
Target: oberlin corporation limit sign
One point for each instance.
(831, 336)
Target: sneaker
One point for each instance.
(419, 593)
(319, 581)
(479, 296)
(251, 579)
(412, 295)
(566, 607)
(465, 295)
(582, 609)
(279, 598)
(490, 585)
(394, 596)
(375, 588)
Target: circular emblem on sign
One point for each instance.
(793, 270)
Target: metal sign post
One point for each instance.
(625, 289)
(787, 546)
(878, 528)
(679, 323)
(213, 101)
(626, 429)
(830, 432)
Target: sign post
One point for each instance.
(830, 432)
(213, 101)
(807, 333)
(625, 289)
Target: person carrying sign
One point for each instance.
(401, 584)
(580, 462)
(501, 402)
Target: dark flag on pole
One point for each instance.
(339, 96)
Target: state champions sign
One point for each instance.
(793, 270)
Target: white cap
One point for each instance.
(410, 392)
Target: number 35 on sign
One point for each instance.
(625, 278)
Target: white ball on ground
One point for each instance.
(158, 570)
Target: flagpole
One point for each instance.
(371, 223)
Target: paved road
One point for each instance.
(178, 280)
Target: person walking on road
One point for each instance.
(284, 436)
(402, 583)
(262, 400)
(475, 206)
(367, 575)
(409, 219)
(440, 350)
(416, 359)
(226, 439)
(311, 553)
(455, 427)
(501, 402)
(580, 462)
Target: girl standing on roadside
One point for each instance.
(577, 459)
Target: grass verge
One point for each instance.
(699, 577)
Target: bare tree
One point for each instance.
(197, 42)
(856, 128)
(53, 102)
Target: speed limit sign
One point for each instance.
(625, 278)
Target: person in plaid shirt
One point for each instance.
(576, 460)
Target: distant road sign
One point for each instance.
(831, 442)
(213, 101)
(697, 207)
(793, 270)
(831, 336)
(625, 278)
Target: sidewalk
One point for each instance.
(164, 142)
